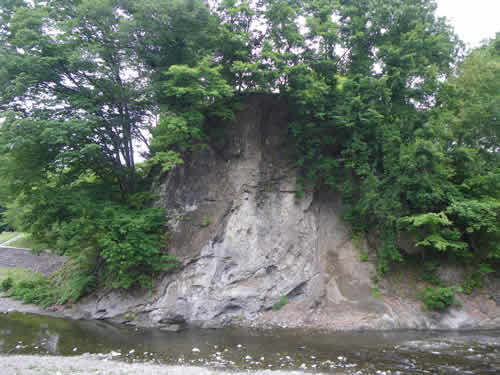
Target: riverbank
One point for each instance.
(393, 305)
(10, 305)
(88, 364)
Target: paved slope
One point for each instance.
(23, 258)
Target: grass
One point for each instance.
(15, 273)
(26, 242)
(5, 236)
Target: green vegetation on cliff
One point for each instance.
(387, 110)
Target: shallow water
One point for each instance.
(368, 352)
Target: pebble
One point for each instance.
(132, 351)
(75, 349)
(248, 358)
(196, 350)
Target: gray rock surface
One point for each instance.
(246, 240)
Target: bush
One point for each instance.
(35, 289)
(6, 284)
(131, 245)
(438, 298)
(127, 244)
(476, 278)
(429, 273)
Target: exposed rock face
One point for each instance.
(246, 240)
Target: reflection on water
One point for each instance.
(403, 352)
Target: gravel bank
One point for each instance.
(93, 365)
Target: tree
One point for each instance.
(378, 115)
(77, 97)
(474, 122)
(75, 85)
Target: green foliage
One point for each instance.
(281, 303)
(429, 272)
(438, 298)
(192, 94)
(207, 220)
(469, 283)
(5, 236)
(35, 289)
(130, 243)
(6, 284)
(167, 160)
(431, 225)
(475, 280)
(383, 111)
(3, 226)
(375, 292)
(364, 256)
(74, 280)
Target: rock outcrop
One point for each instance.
(247, 242)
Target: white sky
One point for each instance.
(473, 20)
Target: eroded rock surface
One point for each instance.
(246, 240)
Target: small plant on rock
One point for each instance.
(206, 222)
(280, 304)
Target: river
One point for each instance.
(366, 352)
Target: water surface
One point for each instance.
(367, 352)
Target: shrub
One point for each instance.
(438, 298)
(476, 278)
(36, 289)
(6, 284)
(129, 241)
(429, 274)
